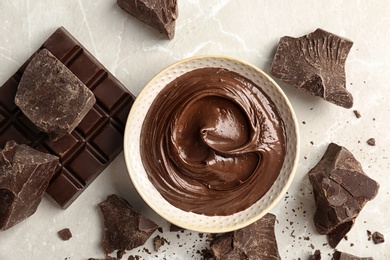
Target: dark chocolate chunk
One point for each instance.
(316, 255)
(65, 234)
(95, 142)
(124, 228)
(371, 141)
(256, 241)
(159, 14)
(51, 96)
(337, 255)
(378, 238)
(315, 63)
(24, 176)
(341, 189)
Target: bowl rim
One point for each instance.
(275, 200)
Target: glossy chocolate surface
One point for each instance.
(95, 142)
(212, 142)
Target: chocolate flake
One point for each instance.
(256, 241)
(341, 189)
(316, 255)
(357, 114)
(159, 14)
(371, 141)
(24, 176)
(378, 238)
(65, 234)
(52, 97)
(124, 228)
(315, 63)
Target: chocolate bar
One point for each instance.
(24, 176)
(159, 14)
(315, 63)
(51, 96)
(256, 241)
(124, 228)
(94, 143)
(341, 189)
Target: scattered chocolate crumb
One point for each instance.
(134, 257)
(378, 238)
(371, 141)
(304, 122)
(160, 229)
(158, 242)
(352, 244)
(65, 234)
(312, 143)
(357, 114)
(369, 233)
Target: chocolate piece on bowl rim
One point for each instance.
(159, 14)
(97, 139)
(51, 96)
(341, 189)
(24, 176)
(124, 228)
(315, 63)
(256, 241)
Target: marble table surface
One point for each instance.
(247, 30)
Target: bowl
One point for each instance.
(191, 220)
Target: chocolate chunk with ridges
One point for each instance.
(256, 241)
(341, 189)
(51, 96)
(371, 141)
(65, 234)
(344, 256)
(95, 142)
(24, 176)
(159, 14)
(124, 228)
(378, 238)
(315, 63)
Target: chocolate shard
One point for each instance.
(337, 255)
(256, 241)
(378, 237)
(315, 63)
(65, 234)
(341, 189)
(24, 176)
(51, 96)
(159, 14)
(124, 228)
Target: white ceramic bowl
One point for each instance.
(189, 220)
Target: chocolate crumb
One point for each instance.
(371, 141)
(357, 114)
(378, 238)
(174, 228)
(158, 242)
(120, 253)
(65, 234)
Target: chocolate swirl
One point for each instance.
(212, 142)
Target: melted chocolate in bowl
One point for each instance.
(212, 142)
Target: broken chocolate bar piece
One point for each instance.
(124, 228)
(256, 241)
(51, 96)
(24, 176)
(341, 189)
(159, 14)
(378, 238)
(337, 255)
(94, 143)
(315, 63)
